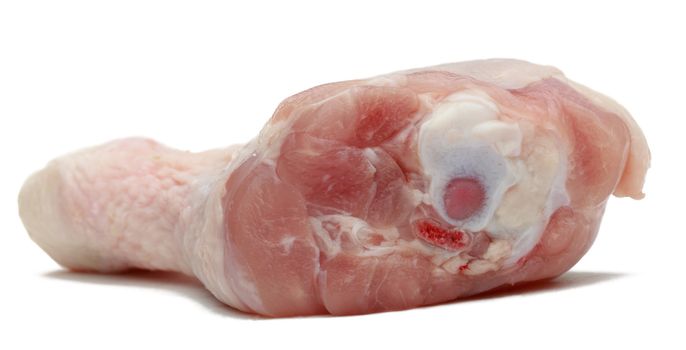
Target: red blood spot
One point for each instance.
(447, 239)
(464, 267)
(463, 197)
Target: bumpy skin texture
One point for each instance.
(338, 206)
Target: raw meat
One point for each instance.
(402, 190)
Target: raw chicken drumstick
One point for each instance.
(406, 189)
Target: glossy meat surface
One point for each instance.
(397, 191)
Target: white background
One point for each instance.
(198, 75)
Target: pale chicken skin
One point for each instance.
(407, 189)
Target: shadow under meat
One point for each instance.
(192, 288)
(170, 281)
(568, 280)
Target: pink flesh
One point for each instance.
(261, 225)
(463, 197)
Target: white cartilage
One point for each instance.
(464, 138)
(449, 148)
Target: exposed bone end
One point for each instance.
(463, 197)
(459, 141)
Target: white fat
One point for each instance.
(505, 137)
(287, 243)
(497, 250)
(371, 155)
(330, 231)
(478, 267)
(506, 73)
(417, 197)
(524, 212)
(464, 137)
(453, 264)
(392, 80)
